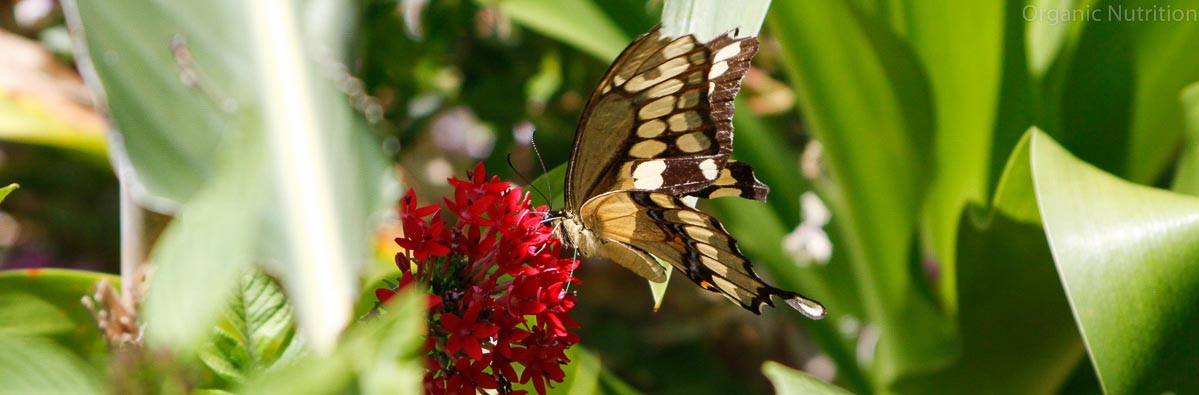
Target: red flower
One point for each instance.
(497, 289)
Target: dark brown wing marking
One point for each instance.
(737, 179)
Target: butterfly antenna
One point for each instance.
(549, 186)
(526, 180)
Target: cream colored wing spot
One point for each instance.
(708, 166)
(689, 99)
(647, 149)
(618, 80)
(667, 87)
(696, 142)
(711, 88)
(687, 217)
(678, 47)
(684, 121)
(700, 233)
(650, 78)
(652, 128)
(717, 70)
(722, 192)
(713, 264)
(727, 52)
(657, 108)
(648, 175)
(730, 287)
(726, 178)
(662, 200)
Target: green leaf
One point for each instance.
(29, 315)
(46, 302)
(233, 109)
(33, 365)
(579, 23)
(381, 356)
(707, 19)
(1186, 179)
(1125, 254)
(791, 381)
(867, 101)
(1028, 335)
(257, 329)
(1112, 97)
(960, 45)
(7, 190)
(585, 376)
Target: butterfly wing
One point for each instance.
(658, 127)
(693, 242)
(661, 118)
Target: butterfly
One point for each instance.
(658, 128)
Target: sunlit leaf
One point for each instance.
(32, 365)
(789, 381)
(1125, 254)
(233, 110)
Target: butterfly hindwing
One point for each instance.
(692, 241)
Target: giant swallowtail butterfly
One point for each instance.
(659, 128)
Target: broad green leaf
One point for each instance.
(28, 315)
(1186, 179)
(1112, 97)
(707, 19)
(579, 23)
(46, 302)
(33, 365)
(7, 190)
(1013, 318)
(790, 381)
(1047, 27)
(868, 102)
(202, 253)
(1125, 254)
(960, 45)
(258, 328)
(232, 109)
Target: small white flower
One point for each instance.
(808, 243)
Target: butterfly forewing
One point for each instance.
(661, 119)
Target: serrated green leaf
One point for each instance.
(1126, 255)
(33, 365)
(789, 381)
(257, 329)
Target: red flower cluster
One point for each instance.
(496, 285)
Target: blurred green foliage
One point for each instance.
(994, 178)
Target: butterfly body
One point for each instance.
(659, 128)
